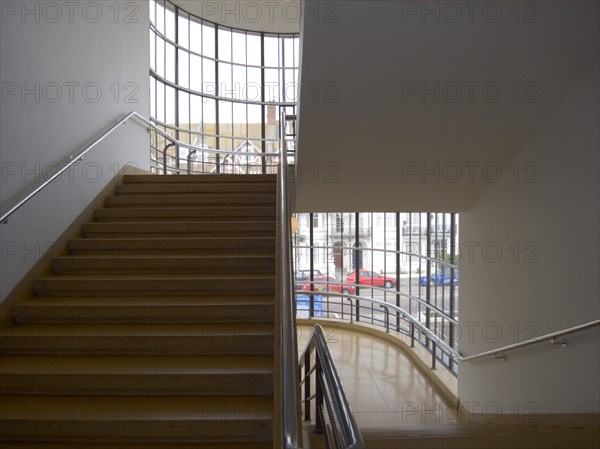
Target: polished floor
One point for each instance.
(384, 388)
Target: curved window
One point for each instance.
(219, 88)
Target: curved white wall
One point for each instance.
(67, 71)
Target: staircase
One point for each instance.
(156, 330)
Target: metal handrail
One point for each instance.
(391, 251)
(100, 138)
(382, 289)
(341, 408)
(405, 315)
(289, 371)
(550, 336)
(497, 353)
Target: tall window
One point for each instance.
(217, 87)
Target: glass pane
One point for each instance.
(254, 118)
(170, 106)
(271, 51)
(160, 18)
(253, 85)
(195, 36)
(288, 47)
(160, 57)
(184, 78)
(224, 44)
(170, 24)
(225, 86)
(239, 47)
(239, 82)
(208, 77)
(272, 85)
(184, 110)
(195, 73)
(170, 63)
(184, 34)
(153, 50)
(196, 112)
(239, 120)
(254, 49)
(208, 40)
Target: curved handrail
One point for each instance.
(496, 353)
(341, 407)
(100, 138)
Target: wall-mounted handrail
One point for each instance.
(499, 352)
(108, 131)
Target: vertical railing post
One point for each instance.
(311, 253)
(412, 334)
(318, 395)
(307, 387)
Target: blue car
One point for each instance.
(442, 278)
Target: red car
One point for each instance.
(367, 277)
(320, 284)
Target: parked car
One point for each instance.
(304, 275)
(328, 284)
(367, 277)
(441, 278)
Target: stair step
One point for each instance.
(180, 229)
(140, 419)
(136, 285)
(200, 246)
(162, 264)
(145, 309)
(137, 375)
(189, 200)
(202, 179)
(237, 213)
(137, 339)
(195, 188)
(120, 445)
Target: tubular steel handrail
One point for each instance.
(391, 251)
(329, 395)
(333, 394)
(100, 138)
(497, 353)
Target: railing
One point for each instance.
(333, 416)
(416, 326)
(107, 132)
(342, 431)
(196, 161)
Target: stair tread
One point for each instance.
(145, 301)
(123, 365)
(206, 178)
(163, 256)
(86, 445)
(135, 330)
(155, 277)
(137, 408)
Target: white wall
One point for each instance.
(86, 64)
(558, 217)
(386, 118)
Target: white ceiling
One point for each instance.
(373, 52)
(275, 16)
